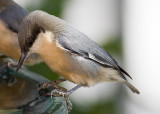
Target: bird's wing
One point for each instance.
(78, 43)
(11, 14)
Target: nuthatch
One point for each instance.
(67, 51)
(11, 16)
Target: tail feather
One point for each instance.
(132, 88)
(123, 71)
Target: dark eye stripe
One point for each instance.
(35, 31)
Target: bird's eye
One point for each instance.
(30, 43)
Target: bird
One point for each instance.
(68, 52)
(11, 16)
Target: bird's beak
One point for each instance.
(21, 60)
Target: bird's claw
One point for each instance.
(44, 86)
(69, 104)
(4, 72)
(65, 94)
(56, 91)
(7, 65)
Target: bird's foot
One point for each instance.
(56, 91)
(7, 65)
(55, 83)
(65, 94)
(4, 73)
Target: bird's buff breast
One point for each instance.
(61, 62)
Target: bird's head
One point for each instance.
(34, 24)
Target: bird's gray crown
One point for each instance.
(34, 23)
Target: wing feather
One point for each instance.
(78, 43)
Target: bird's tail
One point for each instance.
(132, 88)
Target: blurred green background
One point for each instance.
(113, 46)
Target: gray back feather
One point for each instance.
(79, 43)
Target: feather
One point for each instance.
(78, 43)
(12, 14)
